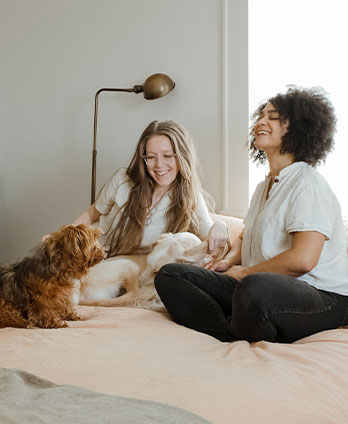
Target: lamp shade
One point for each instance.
(157, 85)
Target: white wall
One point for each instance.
(55, 54)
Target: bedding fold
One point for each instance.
(27, 398)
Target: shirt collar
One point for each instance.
(289, 170)
(292, 168)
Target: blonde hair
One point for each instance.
(184, 191)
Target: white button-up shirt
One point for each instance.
(299, 200)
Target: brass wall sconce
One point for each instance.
(155, 86)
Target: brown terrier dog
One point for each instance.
(39, 290)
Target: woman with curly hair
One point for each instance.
(286, 276)
(159, 192)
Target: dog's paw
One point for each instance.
(49, 323)
(73, 316)
(29, 325)
(58, 324)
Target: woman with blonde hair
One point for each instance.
(159, 192)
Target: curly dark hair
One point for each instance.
(312, 125)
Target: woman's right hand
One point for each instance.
(221, 265)
(233, 257)
(218, 236)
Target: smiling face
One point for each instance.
(161, 163)
(269, 130)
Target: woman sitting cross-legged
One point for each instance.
(286, 276)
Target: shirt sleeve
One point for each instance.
(313, 208)
(204, 218)
(107, 196)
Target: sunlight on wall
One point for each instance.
(302, 43)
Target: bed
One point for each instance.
(117, 362)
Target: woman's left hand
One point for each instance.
(217, 236)
(237, 272)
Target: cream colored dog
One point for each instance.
(106, 282)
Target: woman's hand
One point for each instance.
(217, 236)
(221, 265)
(237, 272)
(233, 257)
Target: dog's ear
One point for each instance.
(153, 245)
(97, 232)
(160, 238)
(78, 238)
(89, 252)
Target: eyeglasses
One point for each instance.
(167, 159)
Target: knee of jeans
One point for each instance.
(164, 274)
(250, 295)
(168, 269)
(250, 310)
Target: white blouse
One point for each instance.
(115, 194)
(299, 200)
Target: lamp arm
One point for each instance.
(135, 89)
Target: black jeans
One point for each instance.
(262, 306)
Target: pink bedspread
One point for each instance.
(143, 354)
